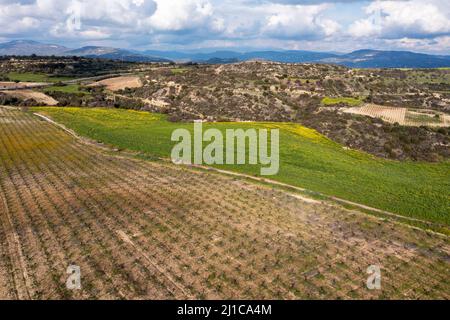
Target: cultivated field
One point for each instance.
(152, 230)
(402, 116)
(120, 83)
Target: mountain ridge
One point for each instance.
(364, 58)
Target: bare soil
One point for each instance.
(120, 83)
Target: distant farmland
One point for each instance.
(141, 229)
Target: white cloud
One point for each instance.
(21, 25)
(176, 15)
(399, 19)
(299, 20)
(434, 45)
(299, 24)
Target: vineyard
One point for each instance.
(152, 230)
(402, 116)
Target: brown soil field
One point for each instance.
(153, 230)
(120, 83)
(402, 116)
(29, 94)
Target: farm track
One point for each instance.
(156, 231)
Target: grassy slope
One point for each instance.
(308, 160)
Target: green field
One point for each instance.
(35, 77)
(350, 101)
(179, 70)
(307, 159)
(72, 88)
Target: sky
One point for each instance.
(242, 25)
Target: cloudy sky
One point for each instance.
(340, 26)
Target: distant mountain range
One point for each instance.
(389, 59)
(356, 59)
(113, 54)
(28, 47)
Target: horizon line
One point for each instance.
(220, 49)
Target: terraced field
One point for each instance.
(152, 230)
